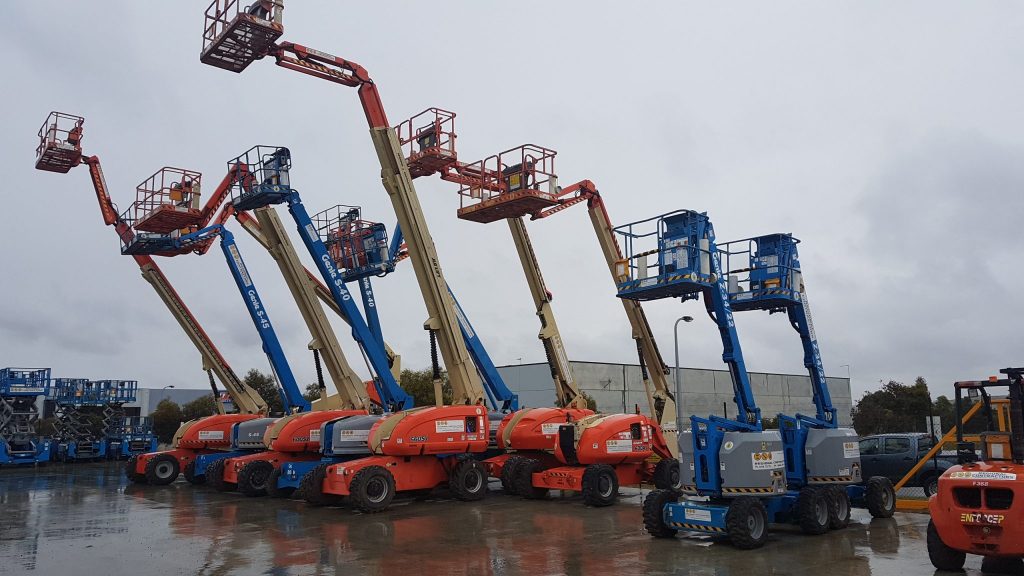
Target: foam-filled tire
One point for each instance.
(666, 474)
(813, 509)
(253, 478)
(162, 469)
(600, 485)
(942, 556)
(839, 510)
(129, 470)
(215, 476)
(880, 497)
(190, 473)
(508, 474)
(275, 491)
(746, 523)
(523, 479)
(312, 488)
(654, 513)
(372, 489)
(468, 480)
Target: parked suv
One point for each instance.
(893, 455)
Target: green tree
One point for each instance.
(420, 385)
(897, 407)
(312, 392)
(266, 387)
(166, 419)
(202, 406)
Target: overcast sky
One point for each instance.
(887, 136)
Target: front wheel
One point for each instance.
(523, 479)
(161, 470)
(508, 474)
(372, 489)
(746, 523)
(600, 485)
(839, 516)
(880, 497)
(129, 470)
(312, 488)
(215, 476)
(654, 513)
(666, 474)
(273, 489)
(468, 480)
(190, 473)
(253, 478)
(813, 510)
(943, 557)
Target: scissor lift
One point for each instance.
(20, 389)
(132, 436)
(80, 403)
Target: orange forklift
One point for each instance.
(975, 510)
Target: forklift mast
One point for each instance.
(60, 149)
(233, 38)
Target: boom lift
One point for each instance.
(20, 388)
(974, 510)
(764, 273)
(59, 150)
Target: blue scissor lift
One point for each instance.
(80, 404)
(731, 470)
(20, 389)
(345, 249)
(764, 273)
(126, 436)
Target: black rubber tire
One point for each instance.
(600, 485)
(312, 488)
(880, 497)
(162, 469)
(468, 480)
(129, 471)
(746, 523)
(372, 489)
(508, 474)
(813, 510)
(930, 483)
(253, 478)
(215, 476)
(666, 474)
(839, 507)
(943, 557)
(273, 490)
(654, 513)
(523, 479)
(190, 473)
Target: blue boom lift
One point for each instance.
(20, 389)
(764, 273)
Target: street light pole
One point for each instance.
(678, 375)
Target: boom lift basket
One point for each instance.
(235, 35)
(682, 268)
(428, 141)
(763, 272)
(24, 382)
(262, 177)
(60, 143)
(167, 201)
(514, 183)
(359, 248)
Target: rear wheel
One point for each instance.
(943, 557)
(373, 488)
(600, 485)
(162, 469)
(468, 480)
(654, 513)
(666, 474)
(523, 479)
(129, 470)
(813, 510)
(839, 516)
(275, 491)
(190, 473)
(746, 523)
(215, 476)
(312, 488)
(880, 497)
(253, 478)
(508, 472)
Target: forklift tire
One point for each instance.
(312, 488)
(273, 490)
(654, 513)
(943, 557)
(468, 480)
(215, 476)
(746, 523)
(372, 489)
(508, 472)
(600, 485)
(880, 497)
(839, 511)
(253, 478)
(666, 474)
(813, 510)
(129, 470)
(523, 479)
(162, 470)
(190, 473)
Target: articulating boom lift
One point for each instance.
(19, 390)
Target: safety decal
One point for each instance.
(851, 449)
(354, 434)
(211, 434)
(314, 435)
(443, 426)
(618, 446)
(978, 475)
(549, 428)
(697, 515)
(772, 460)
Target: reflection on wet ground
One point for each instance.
(86, 519)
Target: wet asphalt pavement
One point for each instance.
(86, 519)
